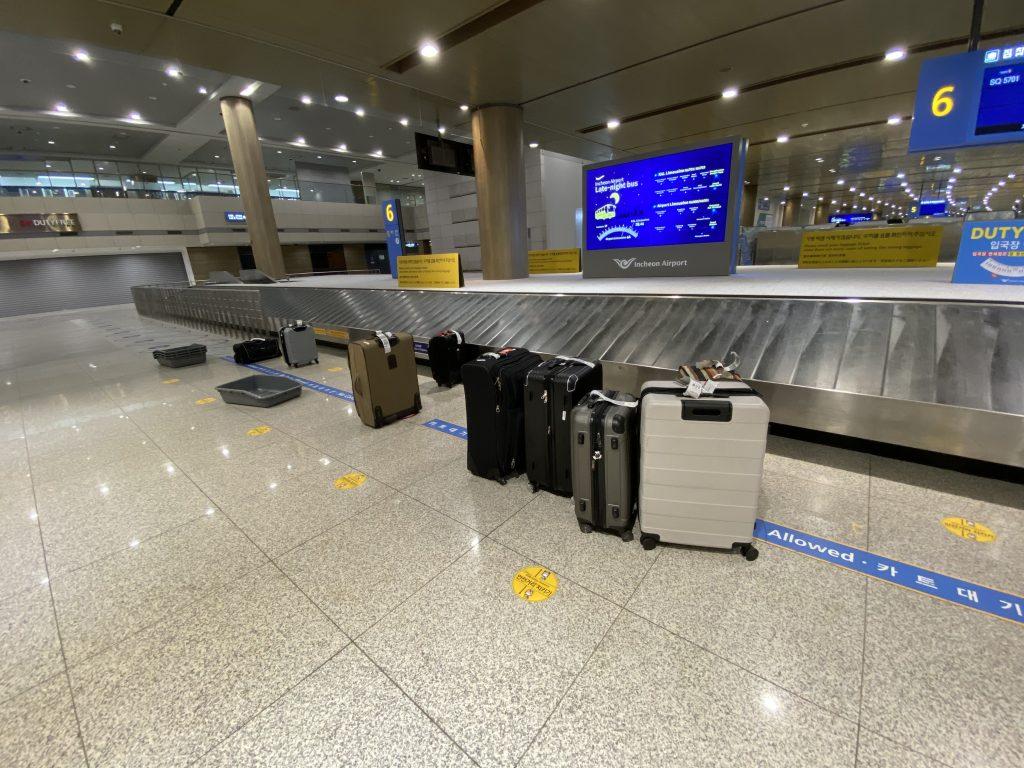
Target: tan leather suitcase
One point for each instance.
(384, 378)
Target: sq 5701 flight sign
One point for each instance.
(970, 99)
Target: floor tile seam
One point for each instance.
(484, 534)
(562, 577)
(874, 491)
(286, 692)
(802, 697)
(568, 688)
(168, 614)
(907, 747)
(56, 622)
(415, 703)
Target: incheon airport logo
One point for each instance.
(624, 263)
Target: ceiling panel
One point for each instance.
(28, 137)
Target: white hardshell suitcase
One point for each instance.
(701, 462)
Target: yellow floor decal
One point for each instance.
(171, 381)
(206, 400)
(349, 481)
(257, 431)
(969, 529)
(335, 369)
(534, 583)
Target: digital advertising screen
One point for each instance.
(1001, 106)
(931, 208)
(849, 218)
(669, 213)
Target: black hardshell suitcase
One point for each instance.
(493, 384)
(605, 465)
(447, 353)
(553, 389)
(255, 350)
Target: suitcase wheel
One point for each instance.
(503, 481)
(585, 526)
(627, 535)
(534, 487)
(648, 540)
(749, 551)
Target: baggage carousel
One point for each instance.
(934, 375)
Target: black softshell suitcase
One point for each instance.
(447, 353)
(553, 389)
(255, 350)
(605, 462)
(493, 384)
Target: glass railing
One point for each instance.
(109, 178)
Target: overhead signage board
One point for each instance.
(235, 217)
(556, 261)
(931, 208)
(436, 270)
(670, 213)
(870, 247)
(392, 212)
(970, 99)
(39, 223)
(849, 218)
(434, 153)
(991, 252)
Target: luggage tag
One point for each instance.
(384, 342)
(693, 389)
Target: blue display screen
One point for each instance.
(849, 218)
(932, 208)
(674, 199)
(1001, 105)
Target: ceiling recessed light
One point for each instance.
(441, 129)
(782, 139)
(958, 169)
(342, 148)
(306, 99)
(134, 116)
(896, 54)
(249, 90)
(341, 98)
(50, 141)
(804, 194)
(202, 90)
(299, 140)
(319, 157)
(82, 56)
(464, 107)
(378, 153)
(534, 145)
(612, 124)
(48, 165)
(894, 120)
(279, 151)
(404, 121)
(360, 112)
(61, 107)
(730, 93)
(429, 50)
(216, 157)
(819, 159)
(1011, 175)
(173, 71)
(113, 146)
(786, 188)
(840, 182)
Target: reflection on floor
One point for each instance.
(176, 590)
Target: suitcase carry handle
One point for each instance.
(720, 393)
(597, 394)
(575, 360)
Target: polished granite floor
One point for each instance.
(174, 590)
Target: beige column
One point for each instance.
(748, 205)
(247, 157)
(791, 211)
(501, 191)
(821, 211)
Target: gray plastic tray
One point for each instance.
(260, 390)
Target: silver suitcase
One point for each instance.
(604, 462)
(701, 463)
(298, 342)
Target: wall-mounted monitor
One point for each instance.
(931, 208)
(434, 153)
(674, 212)
(849, 218)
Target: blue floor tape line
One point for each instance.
(946, 588)
(316, 386)
(984, 599)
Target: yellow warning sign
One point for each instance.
(206, 400)
(969, 529)
(171, 381)
(349, 481)
(335, 369)
(557, 261)
(332, 333)
(876, 247)
(534, 583)
(436, 270)
(257, 431)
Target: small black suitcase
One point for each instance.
(605, 462)
(255, 350)
(448, 352)
(493, 385)
(553, 389)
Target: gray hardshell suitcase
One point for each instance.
(701, 462)
(604, 462)
(298, 342)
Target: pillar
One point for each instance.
(821, 212)
(501, 191)
(748, 205)
(369, 186)
(791, 211)
(247, 157)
